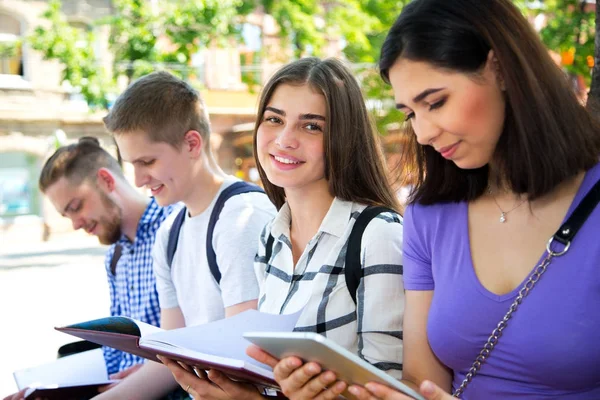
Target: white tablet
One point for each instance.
(314, 347)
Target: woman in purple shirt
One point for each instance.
(503, 152)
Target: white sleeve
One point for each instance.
(382, 287)
(234, 240)
(167, 295)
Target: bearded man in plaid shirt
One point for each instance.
(86, 184)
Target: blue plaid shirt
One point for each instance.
(133, 287)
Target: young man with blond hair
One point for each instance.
(161, 127)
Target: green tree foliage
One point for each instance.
(570, 31)
(381, 14)
(9, 49)
(362, 26)
(73, 49)
(299, 23)
(134, 27)
(193, 25)
(593, 103)
(135, 30)
(138, 34)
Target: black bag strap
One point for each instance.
(353, 269)
(230, 191)
(174, 235)
(569, 229)
(115, 259)
(269, 249)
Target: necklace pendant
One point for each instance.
(503, 217)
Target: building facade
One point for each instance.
(38, 112)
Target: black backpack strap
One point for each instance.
(230, 191)
(174, 235)
(115, 259)
(353, 268)
(269, 249)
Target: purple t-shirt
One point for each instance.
(551, 347)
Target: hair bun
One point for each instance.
(89, 140)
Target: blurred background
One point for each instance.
(63, 63)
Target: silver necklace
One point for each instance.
(503, 213)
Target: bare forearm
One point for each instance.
(152, 381)
(410, 384)
(434, 372)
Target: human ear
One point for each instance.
(494, 65)
(193, 143)
(105, 180)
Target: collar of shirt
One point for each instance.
(146, 226)
(334, 223)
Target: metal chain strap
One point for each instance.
(496, 333)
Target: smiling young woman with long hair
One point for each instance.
(321, 164)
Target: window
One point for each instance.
(18, 192)
(11, 54)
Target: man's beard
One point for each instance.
(111, 225)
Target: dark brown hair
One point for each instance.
(354, 166)
(162, 106)
(547, 136)
(77, 162)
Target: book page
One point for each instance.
(88, 366)
(223, 338)
(147, 329)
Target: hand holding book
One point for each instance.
(312, 365)
(211, 384)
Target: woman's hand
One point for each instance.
(298, 380)
(214, 385)
(375, 391)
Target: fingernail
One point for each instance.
(330, 376)
(427, 388)
(340, 386)
(353, 390)
(313, 369)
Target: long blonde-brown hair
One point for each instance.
(354, 163)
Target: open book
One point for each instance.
(72, 377)
(217, 345)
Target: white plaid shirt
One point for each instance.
(133, 288)
(373, 327)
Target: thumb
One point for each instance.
(432, 392)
